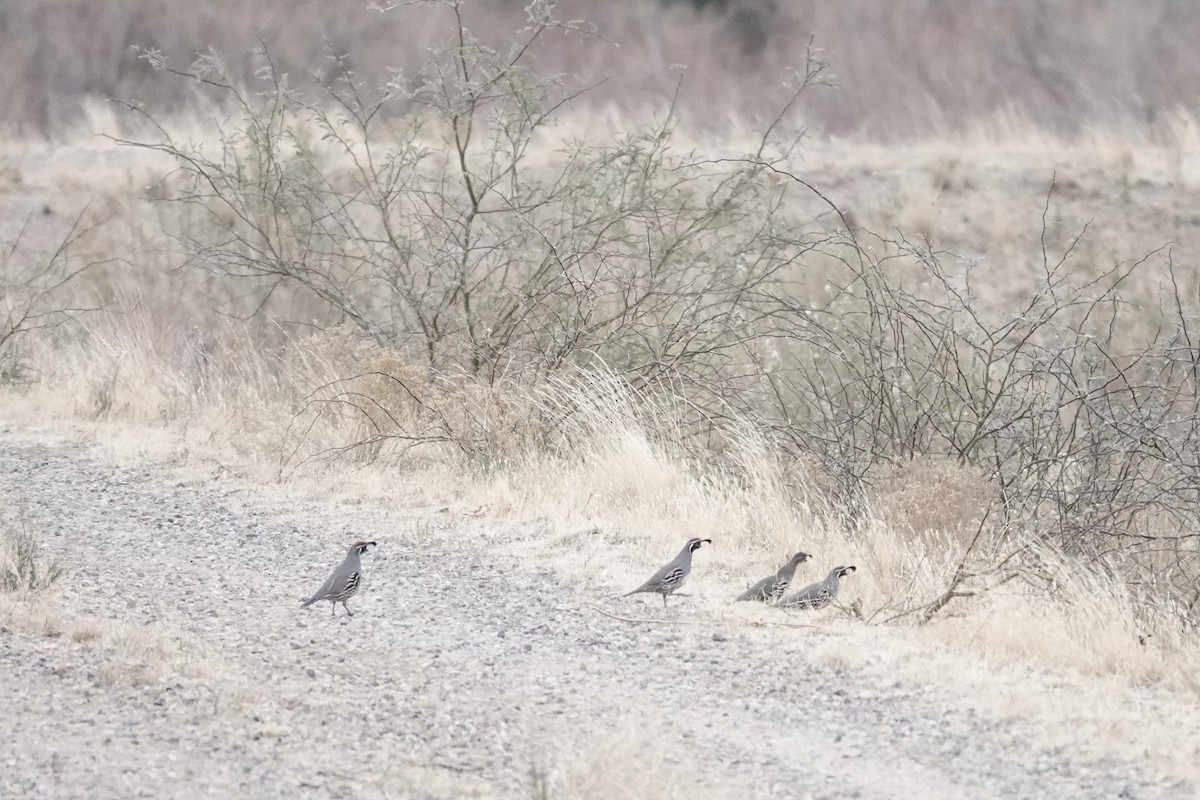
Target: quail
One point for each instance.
(672, 575)
(345, 580)
(771, 588)
(818, 595)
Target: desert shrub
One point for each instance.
(39, 290)
(1064, 405)
(482, 275)
(445, 242)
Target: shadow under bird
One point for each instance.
(772, 587)
(818, 595)
(342, 584)
(672, 574)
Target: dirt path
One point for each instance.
(172, 660)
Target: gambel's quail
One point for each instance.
(771, 588)
(818, 595)
(672, 574)
(345, 580)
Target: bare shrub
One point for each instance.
(441, 241)
(485, 280)
(38, 291)
(445, 242)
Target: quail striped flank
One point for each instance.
(345, 580)
(818, 595)
(772, 587)
(673, 573)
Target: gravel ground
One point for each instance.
(173, 660)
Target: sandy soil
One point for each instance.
(173, 660)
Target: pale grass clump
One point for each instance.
(388, 395)
(1054, 614)
(613, 463)
(621, 489)
(626, 761)
(225, 388)
(933, 497)
(897, 571)
(951, 174)
(23, 567)
(402, 404)
(125, 654)
(920, 214)
(1083, 620)
(1021, 601)
(624, 465)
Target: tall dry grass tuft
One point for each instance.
(1067, 614)
(621, 465)
(23, 568)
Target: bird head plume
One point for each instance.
(799, 558)
(360, 546)
(694, 544)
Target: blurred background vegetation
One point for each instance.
(903, 68)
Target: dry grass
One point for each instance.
(330, 411)
(23, 568)
(120, 653)
(934, 497)
(627, 760)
